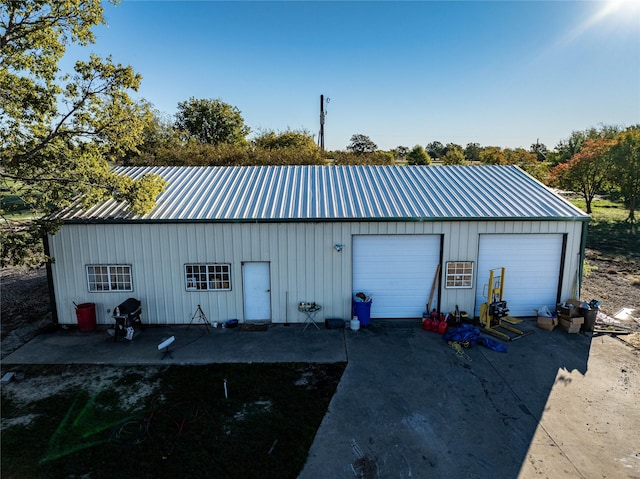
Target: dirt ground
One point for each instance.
(615, 281)
(25, 311)
(25, 306)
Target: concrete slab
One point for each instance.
(593, 416)
(193, 345)
(408, 406)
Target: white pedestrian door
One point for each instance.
(256, 285)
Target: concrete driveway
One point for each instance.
(555, 405)
(408, 406)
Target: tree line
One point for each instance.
(211, 132)
(61, 133)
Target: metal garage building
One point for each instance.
(252, 242)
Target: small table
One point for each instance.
(310, 310)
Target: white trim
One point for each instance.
(109, 280)
(461, 277)
(191, 278)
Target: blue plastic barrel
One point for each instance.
(362, 309)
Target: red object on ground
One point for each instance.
(442, 327)
(426, 324)
(86, 315)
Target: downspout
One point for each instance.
(583, 245)
(50, 286)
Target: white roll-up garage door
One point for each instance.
(532, 263)
(396, 271)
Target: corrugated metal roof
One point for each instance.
(339, 193)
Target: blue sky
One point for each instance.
(499, 73)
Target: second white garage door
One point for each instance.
(396, 271)
(532, 263)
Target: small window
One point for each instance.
(207, 277)
(459, 274)
(109, 277)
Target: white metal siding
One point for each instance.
(397, 271)
(304, 264)
(532, 263)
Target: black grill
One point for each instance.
(127, 315)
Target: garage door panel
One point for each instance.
(532, 263)
(397, 271)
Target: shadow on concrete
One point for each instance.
(194, 344)
(408, 405)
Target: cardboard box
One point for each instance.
(568, 310)
(572, 318)
(571, 325)
(579, 320)
(547, 323)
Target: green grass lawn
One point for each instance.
(604, 210)
(14, 208)
(608, 231)
(182, 427)
(12, 205)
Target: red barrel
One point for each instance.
(86, 314)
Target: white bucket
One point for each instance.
(355, 324)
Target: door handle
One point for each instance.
(268, 291)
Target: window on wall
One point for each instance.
(459, 274)
(207, 277)
(102, 277)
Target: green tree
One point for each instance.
(211, 121)
(587, 171)
(400, 153)
(158, 136)
(435, 149)
(493, 155)
(528, 161)
(59, 131)
(360, 144)
(472, 152)
(270, 140)
(454, 155)
(418, 156)
(572, 145)
(626, 168)
(540, 150)
(370, 158)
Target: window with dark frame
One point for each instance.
(459, 274)
(105, 278)
(207, 277)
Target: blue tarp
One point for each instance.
(471, 334)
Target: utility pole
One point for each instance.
(322, 117)
(321, 139)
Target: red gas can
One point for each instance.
(426, 324)
(442, 327)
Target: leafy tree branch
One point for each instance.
(59, 132)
